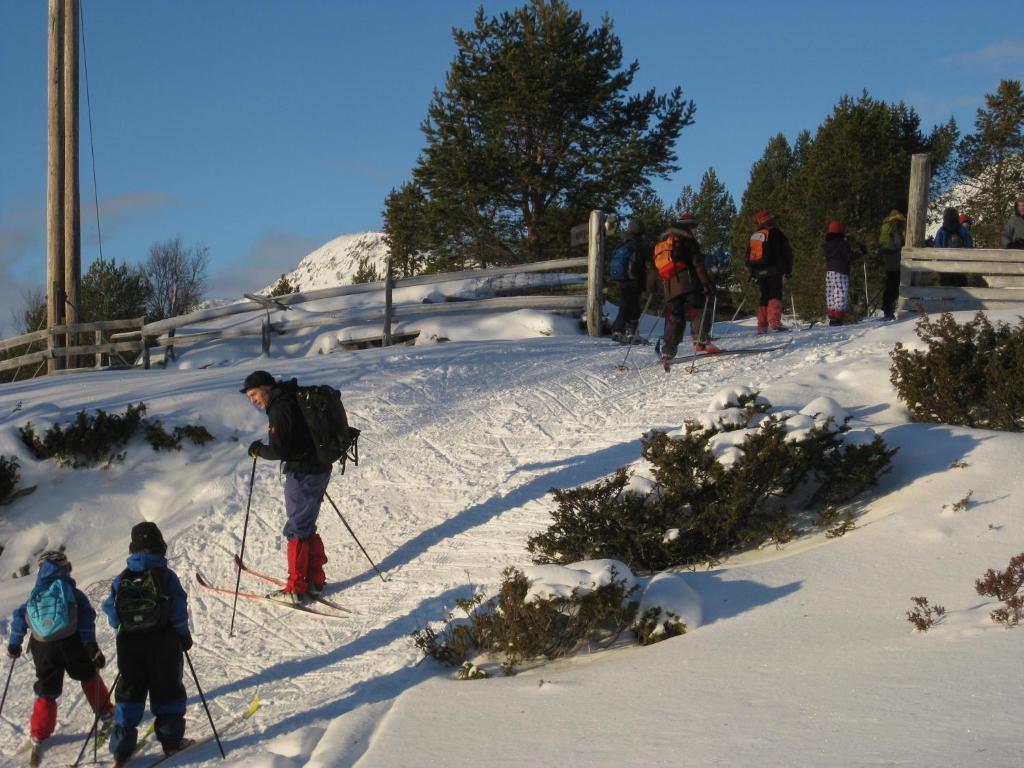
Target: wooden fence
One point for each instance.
(106, 346)
(135, 336)
(995, 279)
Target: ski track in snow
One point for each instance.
(494, 428)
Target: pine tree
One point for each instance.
(406, 229)
(112, 291)
(533, 129)
(283, 287)
(990, 167)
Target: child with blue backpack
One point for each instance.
(62, 625)
(149, 610)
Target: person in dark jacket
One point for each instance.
(76, 654)
(891, 239)
(1013, 232)
(679, 267)
(769, 258)
(838, 257)
(953, 234)
(631, 288)
(151, 657)
(305, 484)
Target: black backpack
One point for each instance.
(141, 601)
(328, 425)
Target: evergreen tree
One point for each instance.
(715, 210)
(112, 291)
(765, 191)
(990, 164)
(283, 287)
(533, 129)
(406, 229)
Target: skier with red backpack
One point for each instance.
(769, 257)
(62, 624)
(687, 287)
(148, 609)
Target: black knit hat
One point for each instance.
(257, 379)
(146, 537)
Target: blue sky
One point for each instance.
(264, 129)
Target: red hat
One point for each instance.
(763, 217)
(836, 228)
(686, 220)
(965, 219)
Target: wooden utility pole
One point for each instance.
(917, 203)
(54, 176)
(72, 215)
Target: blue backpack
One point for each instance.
(622, 265)
(52, 611)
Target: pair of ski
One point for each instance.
(37, 751)
(336, 611)
(191, 744)
(668, 364)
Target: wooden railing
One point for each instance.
(104, 345)
(998, 277)
(136, 337)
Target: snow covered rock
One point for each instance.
(670, 593)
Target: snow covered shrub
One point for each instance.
(160, 439)
(1005, 586)
(968, 375)
(653, 627)
(718, 492)
(88, 440)
(8, 476)
(925, 616)
(98, 438)
(517, 625)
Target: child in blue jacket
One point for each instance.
(149, 610)
(72, 650)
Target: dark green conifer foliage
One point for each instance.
(534, 128)
(112, 291)
(968, 374)
(990, 163)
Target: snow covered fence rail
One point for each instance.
(164, 332)
(1002, 270)
(114, 344)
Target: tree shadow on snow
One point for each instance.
(575, 471)
(924, 449)
(725, 599)
(430, 609)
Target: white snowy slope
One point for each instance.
(803, 655)
(336, 262)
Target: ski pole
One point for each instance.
(203, 699)
(95, 722)
(864, 264)
(353, 534)
(714, 311)
(622, 365)
(8, 684)
(739, 309)
(241, 556)
(792, 303)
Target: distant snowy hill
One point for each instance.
(336, 262)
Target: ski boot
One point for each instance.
(286, 597)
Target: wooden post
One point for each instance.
(72, 216)
(388, 286)
(595, 274)
(265, 335)
(917, 205)
(54, 178)
(98, 336)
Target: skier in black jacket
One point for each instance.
(305, 484)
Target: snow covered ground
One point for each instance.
(803, 656)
